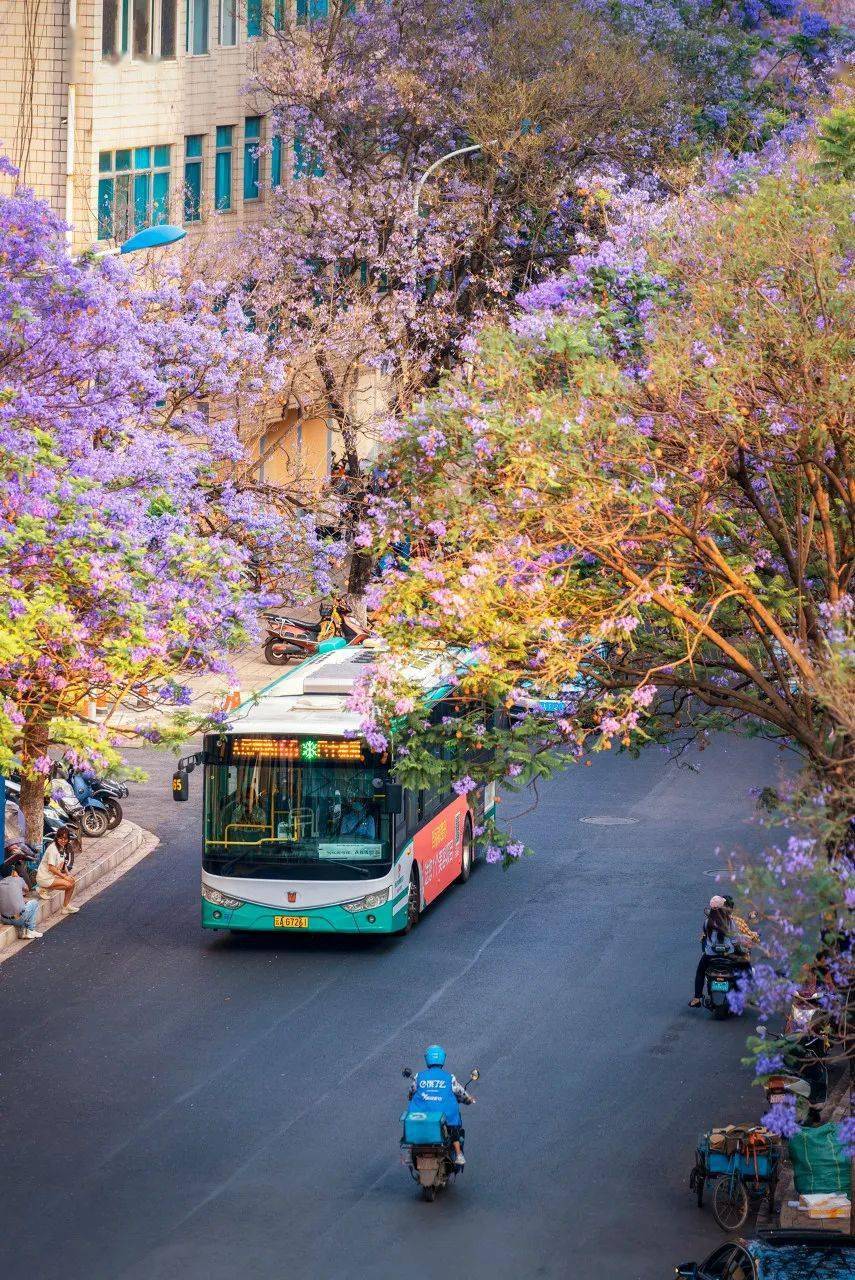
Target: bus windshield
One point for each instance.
(295, 809)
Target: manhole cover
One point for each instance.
(608, 820)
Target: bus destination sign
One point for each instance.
(309, 749)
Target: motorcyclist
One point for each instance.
(717, 938)
(438, 1088)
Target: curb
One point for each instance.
(126, 840)
(837, 1107)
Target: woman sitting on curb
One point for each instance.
(52, 872)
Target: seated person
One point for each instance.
(357, 820)
(14, 908)
(53, 872)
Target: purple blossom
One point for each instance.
(781, 1118)
(462, 786)
(813, 25)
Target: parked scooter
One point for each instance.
(289, 638)
(88, 815)
(426, 1147)
(724, 971)
(94, 792)
(56, 815)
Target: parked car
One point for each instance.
(778, 1255)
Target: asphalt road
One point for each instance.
(204, 1107)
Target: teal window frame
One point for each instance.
(276, 161)
(133, 190)
(223, 167)
(193, 176)
(312, 10)
(280, 14)
(254, 19)
(252, 158)
(307, 164)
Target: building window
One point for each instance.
(142, 28)
(133, 191)
(223, 168)
(307, 162)
(168, 24)
(115, 28)
(197, 26)
(228, 21)
(251, 157)
(276, 162)
(309, 10)
(280, 13)
(193, 178)
(253, 18)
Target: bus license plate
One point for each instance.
(291, 922)
(719, 986)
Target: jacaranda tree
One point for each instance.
(641, 503)
(124, 534)
(372, 292)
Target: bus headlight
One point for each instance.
(368, 903)
(220, 899)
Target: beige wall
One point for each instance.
(296, 448)
(126, 103)
(48, 75)
(34, 62)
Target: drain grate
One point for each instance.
(608, 820)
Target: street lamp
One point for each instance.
(149, 238)
(461, 151)
(153, 238)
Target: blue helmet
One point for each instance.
(435, 1056)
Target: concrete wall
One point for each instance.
(126, 102)
(35, 56)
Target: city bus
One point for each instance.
(304, 826)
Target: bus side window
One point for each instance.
(407, 825)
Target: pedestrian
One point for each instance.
(53, 872)
(14, 908)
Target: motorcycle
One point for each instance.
(87, 813)
(289, 638)
(59, 812)
(93, 792)
(64, 802)
(724, 970)
(426, 1147)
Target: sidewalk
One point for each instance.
(209, 692)
(93, 866)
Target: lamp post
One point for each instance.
(149, 238)
(460, 151)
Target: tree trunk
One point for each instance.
(359, 576)
(35, 744)
(361, 562)
(851, 1165)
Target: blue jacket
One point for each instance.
(434, 1091)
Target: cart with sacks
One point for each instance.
(742, 1163)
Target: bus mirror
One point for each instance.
(394, 798)
(180, 785)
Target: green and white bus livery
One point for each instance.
(305, 828)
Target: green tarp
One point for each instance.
(819, 1164)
